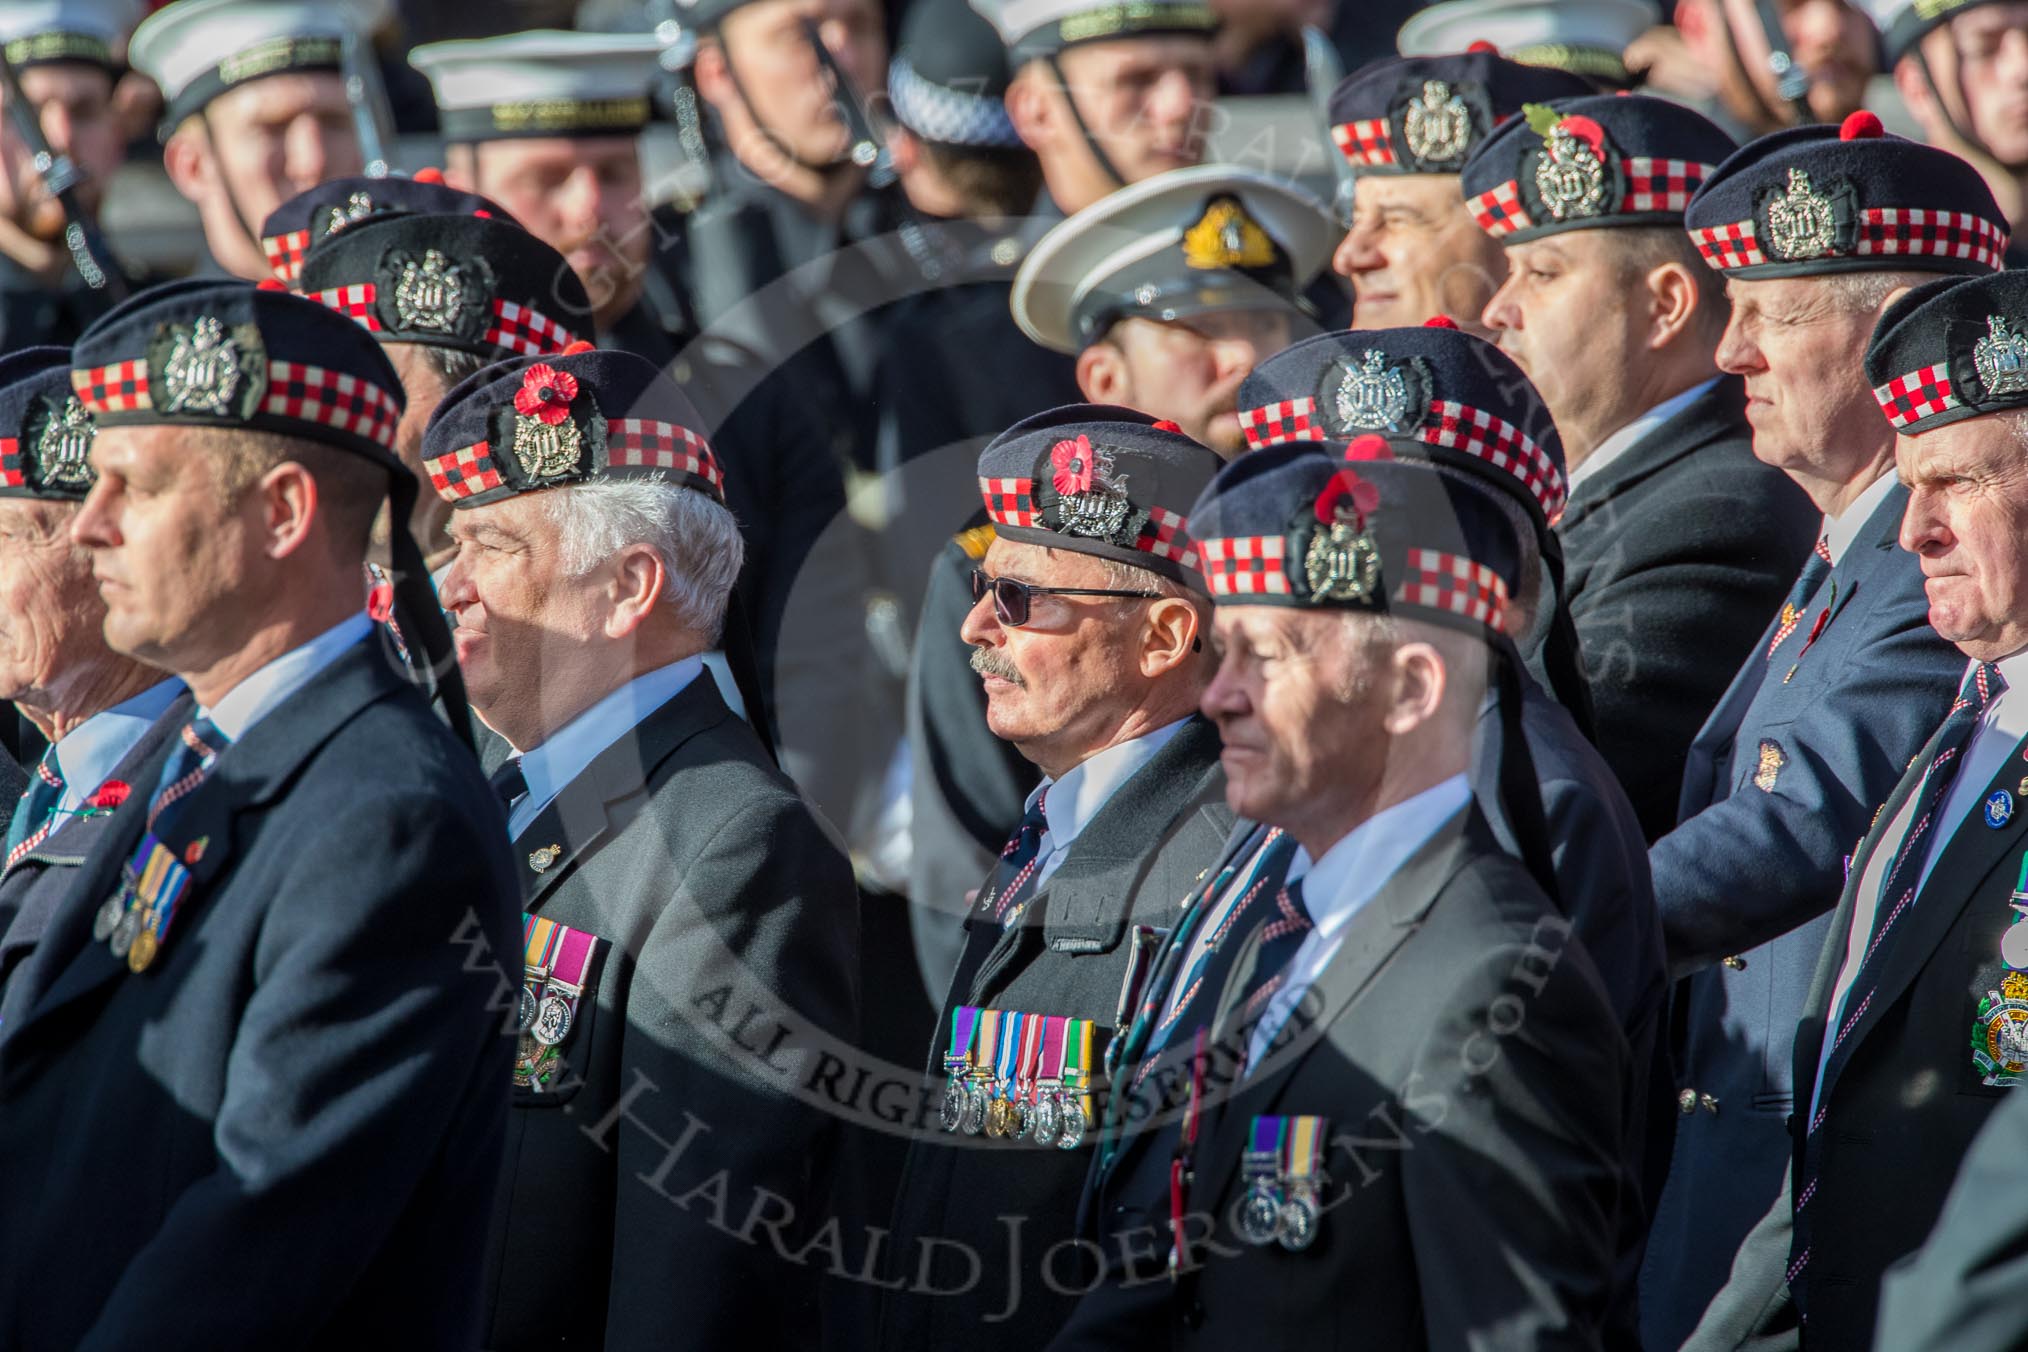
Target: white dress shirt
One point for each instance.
(1839, 531)
(1076, 798)
(90, 752)
(566, 753)
(1616, 445)
(2000, 730)
(256, 697)
(1338, 886)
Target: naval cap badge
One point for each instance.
(1225, 236)
(1341, 562)
(2001, 358)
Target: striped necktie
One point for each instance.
(1815, 569)
(1013, 876)
(197, 750)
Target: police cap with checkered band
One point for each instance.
(1425, 114)
(1591, 163)
(534, 423)
(471, 283)
(45, 433)
(1101, 480)
(1811, 201)
(1951, 349)
(310, 218)
(948, 80)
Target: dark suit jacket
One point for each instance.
(1068, 955)
(13, 780)
(32, 889)
(1674, 555)
(1474, 1178)
(286, 1132)
(1752, 873)
(729, 965)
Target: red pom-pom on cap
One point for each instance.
(1483, 46)
(1439, 322)
(572, 349)
(1367, 446)
(1164, 425)
(429, 175)
(271, 284)
(1861, 126)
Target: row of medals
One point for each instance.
(542, 1023)
(127, 927)
(1280, 1211)
(1046, 1114)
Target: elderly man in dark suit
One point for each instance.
(98, 709)
(1842, 687)
(1372, 1094)
(265, 1010)
(1677, 543)
(1089, 633)
(691, 935)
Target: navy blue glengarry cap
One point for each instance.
(1951, 349)
(309, 218)
(470, 283)
(1348, 527)
(528, 424)
(1426, 114)
(1036, 29)
(1190, 241)
(1815, 200)
(45, 432)
(1584, 164)
(1459, 397)
(1101, 480)
(224, 353)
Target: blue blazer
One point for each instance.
(1782, 782)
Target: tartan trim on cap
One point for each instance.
(1010, 502)
(464, 473)
(1662, 185)
(1917, 395)
(1165, 536)
(526, 332)
(1365, 142)
(652, 444)
(355, 302)
(1729, 246)
(1500, 444)
(1245, 565)
(13, 465)
(119, 388)
(285, 253)
(1498, 210)
(1456, 585)
(1921, 232)
(333, 399)
(1286, 420)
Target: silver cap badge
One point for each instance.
(1437, 125)
(1801, 223)
(2001, 358)
(202, 371)
(1373, 396)
(64, 445)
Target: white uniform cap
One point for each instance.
(198, 49)
(1039, 28)
(544, 83)
(1584, 37)
(35, 32)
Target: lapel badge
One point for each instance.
(194, 851)
(203, 369)
(2000, 1032)
(431, 293)
(357, 208)
(1570, 173)
(547, 442)
(1999, 809)
(63, 447)
(2001, 358)
(1226, 237)
(541, 859)
(1342, 563)
(1436, 124)
(1801, 222)
(1772, 759)
(1091, 500)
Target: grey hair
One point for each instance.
(1129, 577)
(452, 364)
(696, 539)
(1858, 292)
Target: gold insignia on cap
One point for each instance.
(1772, 759)
(1437, 125)
(1226, 237)
(1801, 223)
(63, 448)
(2001, 358)
(201, 373)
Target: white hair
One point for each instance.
(1858, 292)
(696, 539)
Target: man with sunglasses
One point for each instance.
(1088, 631)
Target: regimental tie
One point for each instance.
(134, 922)
(509, 784)
(1281, 934)
(1815, 569)
(1982, 686)
(1015, 874)
(35, 815)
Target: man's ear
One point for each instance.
(637, 587)
(461, 166)
(290, 501)
(714, 78)
(1030, 107)
(1173, 636)
(186, 158)
(1102, 375)
(1672, 304)
(1419, 683)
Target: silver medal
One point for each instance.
(1048, 1118)
(525, 1008)
(108, 916)
(953, 1112)
(975, 1109)
(1023, 1121)
(1259, 1213)
(1071, 1135)
(125, 932)
(552, 1021)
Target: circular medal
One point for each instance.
(1296, 1220)
(1071, 1135)
(108, 916)
(2014, 946)
(1259, 1214)
(125, 932)
(1048, 1119)
(524, 1010)
(143, 950)
(953, 1115)
(1023, 1120)
(552, 1021)
(975, 1109)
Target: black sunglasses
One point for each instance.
(1011, 598)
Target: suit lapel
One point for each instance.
(1715, 414)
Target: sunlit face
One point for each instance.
(50, 613)
(1414, 252)
(1830, 39)
(1564, 302)
(1987, 49)
(582, 196)
(1799, 347)
(767, 44)
(76, 112)
(1144, 100)
(1967, 520)
(271, 139)
(1189, 370)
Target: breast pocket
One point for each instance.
(556, 1011)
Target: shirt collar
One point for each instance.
(1076, 798)
(1841, 530)
(564, 755)
(1353, 871)
(256, 697)
(1629, 436)
(90, 752)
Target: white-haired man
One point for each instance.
(668, 866)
